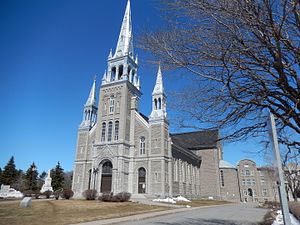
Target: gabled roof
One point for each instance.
(225, 164)
(198, 140)
(145, 117)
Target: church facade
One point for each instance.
(120, 149)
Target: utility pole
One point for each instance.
(280, 180)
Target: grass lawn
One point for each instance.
(198, 203)
(56, 212)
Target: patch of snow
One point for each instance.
(279, 219)
(11, 193)
(181, 199)
(172, 200)
(167, 200)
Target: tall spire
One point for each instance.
(125, 41)
(158, 88)
(159, 108)
(91, 101)
(90, 109)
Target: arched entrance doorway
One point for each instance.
(142, 181)
(250, 194)
(106, 177)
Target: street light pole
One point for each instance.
(280, 181)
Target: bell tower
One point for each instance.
(119, 92)
(123, 65)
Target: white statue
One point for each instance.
(47, 185)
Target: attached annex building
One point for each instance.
(120, 149)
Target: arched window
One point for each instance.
(128, 70)
(176, 170)
(142, 180)
(86, 115)
(120, 72)
(183, 171)
(159, 103)
(142, 146)
(111, 104)
(155, 103)
(107, 168)
(106, 177)
(113, 73)
(222, 178)
(116, 130)
(109, 133)
(103, 132)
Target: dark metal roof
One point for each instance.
(196, 140)
(145, 117)
(186, 155)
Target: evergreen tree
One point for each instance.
(57, 175)
(31, 178)
(19, 184)
(68, 176)
(9, 174)
(41, 179)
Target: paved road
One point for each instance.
(240, 214)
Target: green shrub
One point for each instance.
(28, 193)
(36, 194)
(295, 209)
(268, 219)
(120, 197)
(48, 194)
(90, 194)
(106, 197)
(67, 193)
(57, 193)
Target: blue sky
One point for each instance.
(50, 50)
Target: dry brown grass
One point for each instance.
(198, 203)
(68, 211)
(295, 209)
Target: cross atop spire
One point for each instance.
(125, 41)
(91, 101)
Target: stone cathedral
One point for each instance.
(120, 149)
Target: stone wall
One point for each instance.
(229, 184)
(209, 173)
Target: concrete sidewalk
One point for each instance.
(144, 216)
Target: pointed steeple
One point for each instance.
(125, 41)
(159, 108)
(89, 118)
(123, 64)
(91, 101)
(158, 88)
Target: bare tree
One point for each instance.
(292, 173)
(271, 177)
(243, 57)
